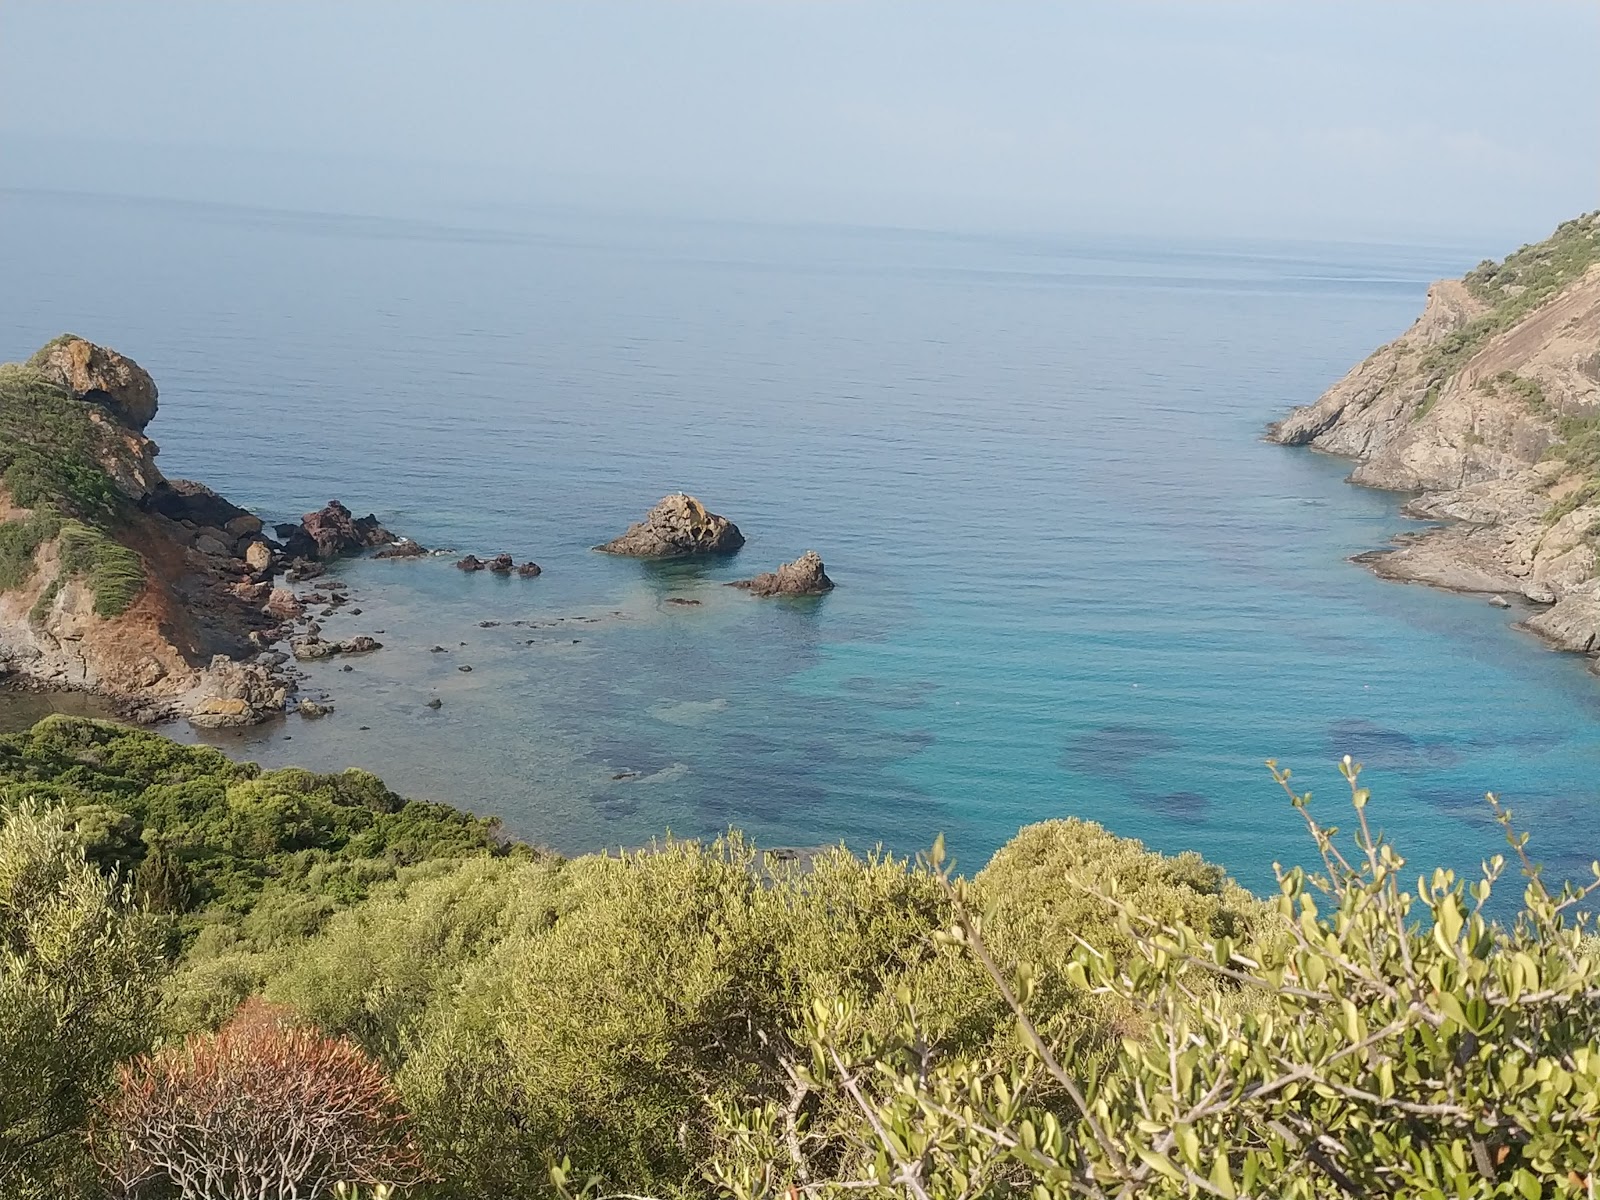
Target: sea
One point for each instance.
(1073, 580)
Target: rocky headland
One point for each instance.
(1488, 408)
(157, 594)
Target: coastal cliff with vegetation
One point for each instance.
(157, 594)
(218, 981)
(1488, 407)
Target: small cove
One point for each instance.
(1072, 579)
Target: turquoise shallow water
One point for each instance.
(1072, 579)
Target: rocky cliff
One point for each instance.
(114, 579)
(1488, 407)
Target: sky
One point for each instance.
(1291, 118)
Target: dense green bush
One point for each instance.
(79, 970)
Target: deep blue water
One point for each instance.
(1072, 578)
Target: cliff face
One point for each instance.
(112, 578)
(1489, 407)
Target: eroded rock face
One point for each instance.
(677, 527)
(94, 373)
(802, 577)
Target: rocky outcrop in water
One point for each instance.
(802, 577)
(333, 531)
(677, 527)
(1489, 407)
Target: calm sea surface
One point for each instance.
(1072, 579)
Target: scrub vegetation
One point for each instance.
(51, 456)
(363, 992)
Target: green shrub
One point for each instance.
(78, 977)
(1395, 1043)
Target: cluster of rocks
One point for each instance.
(500, 564)
(331, 532)
(313, 646)
(679, 526)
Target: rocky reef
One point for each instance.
(679, 526)
(155, 593)
(802, 577)
(1488, 407)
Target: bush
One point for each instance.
(262, 1108)
(79, 969)
(1379, 1054)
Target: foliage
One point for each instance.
(261, 1108)
(115, 573)
(1359, 1052)
(698, 1019)
(78, 984)
(51, 462)
(246, 862)
(605, 1008)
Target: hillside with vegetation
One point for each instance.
(222, 981)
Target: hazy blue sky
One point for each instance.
(1299, 117)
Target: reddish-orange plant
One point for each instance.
(261, 1108)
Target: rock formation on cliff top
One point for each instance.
(1489, 406)
(802, 577)
(678, 527)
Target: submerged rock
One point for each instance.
(802, 577)
(677, 527)
(404, 548)
(529, 569)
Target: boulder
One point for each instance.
(185, 501)
(361, 644)
(802, 577)
(101, 376)
(529, 569)
(257, 556)
(283, 605)
(502, 564)
(471, 563)
(679, 526)
(213, 542)
(310, 708)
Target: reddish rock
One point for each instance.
(333, 531)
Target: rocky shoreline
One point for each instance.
(167, 600)
(1488, 410)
